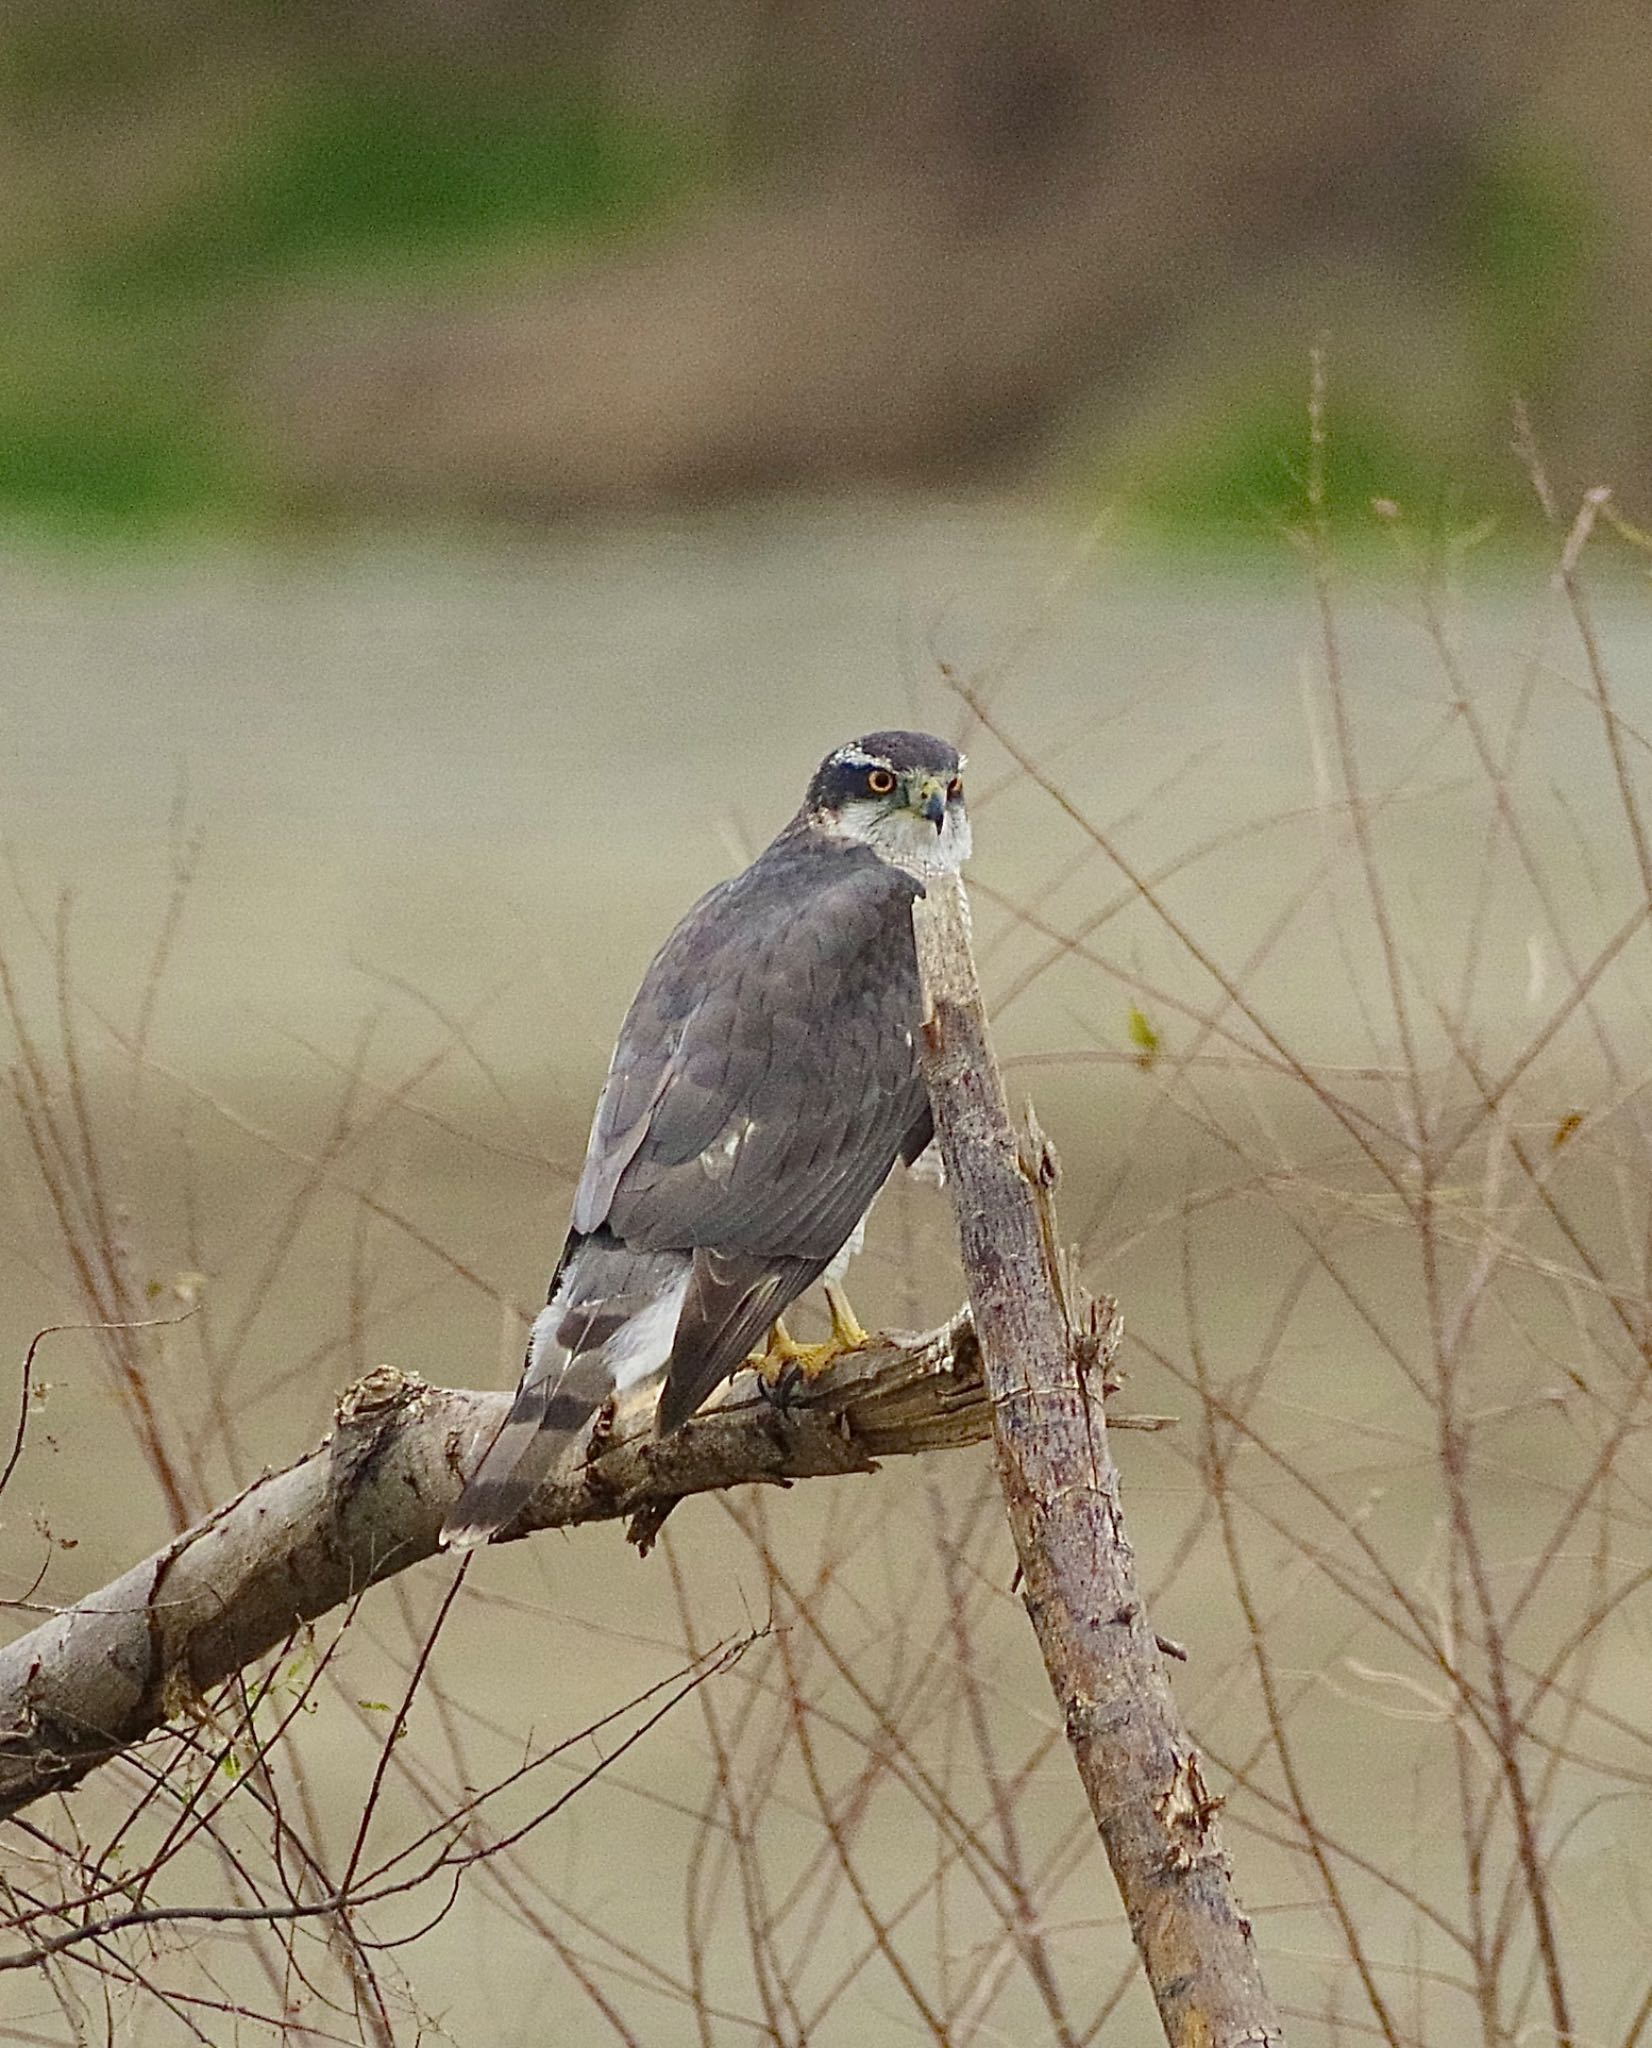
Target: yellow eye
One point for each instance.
(879, 781)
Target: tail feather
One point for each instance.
(544, 1421)
(731, 1299)
(610, 1322)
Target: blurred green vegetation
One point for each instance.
(111, 363)
(388, 180)
(118, 356)
(1243, 468)
(1521, 246)
(1528, 237)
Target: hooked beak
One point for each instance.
(931, 802)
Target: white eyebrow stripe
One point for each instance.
(854, 757)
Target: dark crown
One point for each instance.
(842, 772)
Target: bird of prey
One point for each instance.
(765, 1082)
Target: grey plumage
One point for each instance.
(764, 1083)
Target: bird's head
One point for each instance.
(900, 793)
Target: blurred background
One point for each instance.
(423, 260)
(460, 466)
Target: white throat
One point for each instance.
(902, 838)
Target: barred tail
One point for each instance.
(609, 1323)
(547, 1415)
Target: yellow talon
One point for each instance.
(785, 1355)
(848, 1332)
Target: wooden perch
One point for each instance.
(1042, 1354)
(368, 1502)
(98, 1677)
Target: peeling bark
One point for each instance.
(1042, 1350)
(369, 1501)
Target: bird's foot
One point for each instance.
(848, 1331)
(784, 1365)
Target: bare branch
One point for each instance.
(1044, 1357)
(369, 1501)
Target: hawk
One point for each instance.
(765, 1082)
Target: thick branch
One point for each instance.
(1139, 1767)
(368, 1502)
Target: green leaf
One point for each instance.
(1143, 1037)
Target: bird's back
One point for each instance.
(766, 1075)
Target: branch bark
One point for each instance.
(1041, 1351)
(368, 1502)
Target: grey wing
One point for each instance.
(764, 1084)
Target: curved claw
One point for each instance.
(785, 1364)
(780, 1389)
